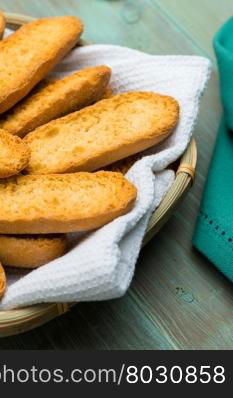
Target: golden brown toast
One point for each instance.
(31, 52)
(102, 134)
(63, 203)
(2, 24)
(56, 98)
(24, 251)
(14, 154)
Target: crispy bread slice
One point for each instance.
(63, 203)
(14, 154)
(24, 251)
(2, 24)
(103, 133)
(27, 55)
(56, 98)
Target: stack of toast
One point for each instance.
(65, 144)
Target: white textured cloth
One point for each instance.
(101, 265)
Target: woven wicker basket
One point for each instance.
(21, 320)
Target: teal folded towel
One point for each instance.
(213, 235)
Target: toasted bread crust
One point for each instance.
(31, 52)
(2, 281)
(31, 252)
(2, 24)
(57, 98)
(14, 154)
(63, 203)
(103, 133)
(108, 93)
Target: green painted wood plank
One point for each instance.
(190, 302)
(118, 324)
(198, 19)
(148, 33)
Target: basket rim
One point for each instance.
(23, 319)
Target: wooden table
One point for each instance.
(177, 299)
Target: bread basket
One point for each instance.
(21, 320)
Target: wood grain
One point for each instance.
(177, 299)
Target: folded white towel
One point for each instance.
(101, 266)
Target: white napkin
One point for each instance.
(101, 265)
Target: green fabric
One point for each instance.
(213, 235)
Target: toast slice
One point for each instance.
(108, 93)
(27, 55)
(14, 154)
(2, 281)
(63, 203)
(56, 98)
(2, 24)
(103, 133)
(24, 251)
